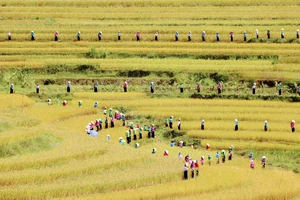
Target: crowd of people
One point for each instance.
(176, 36)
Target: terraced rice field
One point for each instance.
(75, 164)
(45, 152)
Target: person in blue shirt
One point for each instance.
(218, 157)
(266, 125)
(119, 35)
(171, 122)
(202, 124)
(245, 36)
(96, 105)
(176, 36)
(218, 36)
(236, 125)
(78, 36)
(69, 86)
(203, 36)
(32, 35)
(11, 89)
(152, 87)
(282, 33)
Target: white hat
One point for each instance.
(32, 31)
(282, 29)
(152, 124)
(110, 109)
(202, 156)
(137, 144)
(166, 152)
(254, 83)
(235, 120)
(89, 123)
(293, 121)
(120, 138)
(244, 31)
(264, 157)
(181, 141)
(68, 81)
(207, 144)
(256, 29)
(154, 149)
(203, 31)
(125, 81)
(12, 84)
(92, 122)
(78, 31)
(266, 121)
(223, 150)
(179, 119)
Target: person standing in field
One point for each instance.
(140, 133)
(203, 36)
(97, 125)
(134, 134)
(171, 122)
(223, 154)
(198, 87)
(104, 110)
(192, 166)
(230, 152)
(269, 33)
(125, 85)
(37, 88)
(253, 88)
(297, 33)
(207, 147)
(96, 85)
(78, 36)
(152, 87)
(32, 35)
(167, 122)
(96, 105)
(202, 124)
(202, 160)
(218, 157)
(219, 87)
(197, 167)
(282, 33)
(236, 125)
(256, 33)
(119, 35)
(181, 87)
(218, 37)
(56, 36)
(153, 131)
(79, 103)
(9, 35)
(231, 34)
(209, 159)
(179, 124)
(293, 125)
(110, 112)
(252, 164)
(100, 124)
(68, 86)
(127, 137)
(100, 35)
(106, 123)
(11, 88)
(138, 35)
(189, 36)
(156, 36)
(245, 36)
(266, 125)
(263, 162)
(176, 36)
(123, 119)
(149, 132)
(185, 171)
(279, 88)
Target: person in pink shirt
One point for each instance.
(293, 125)
(56, 36)
(138, 36)
(219, 87)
